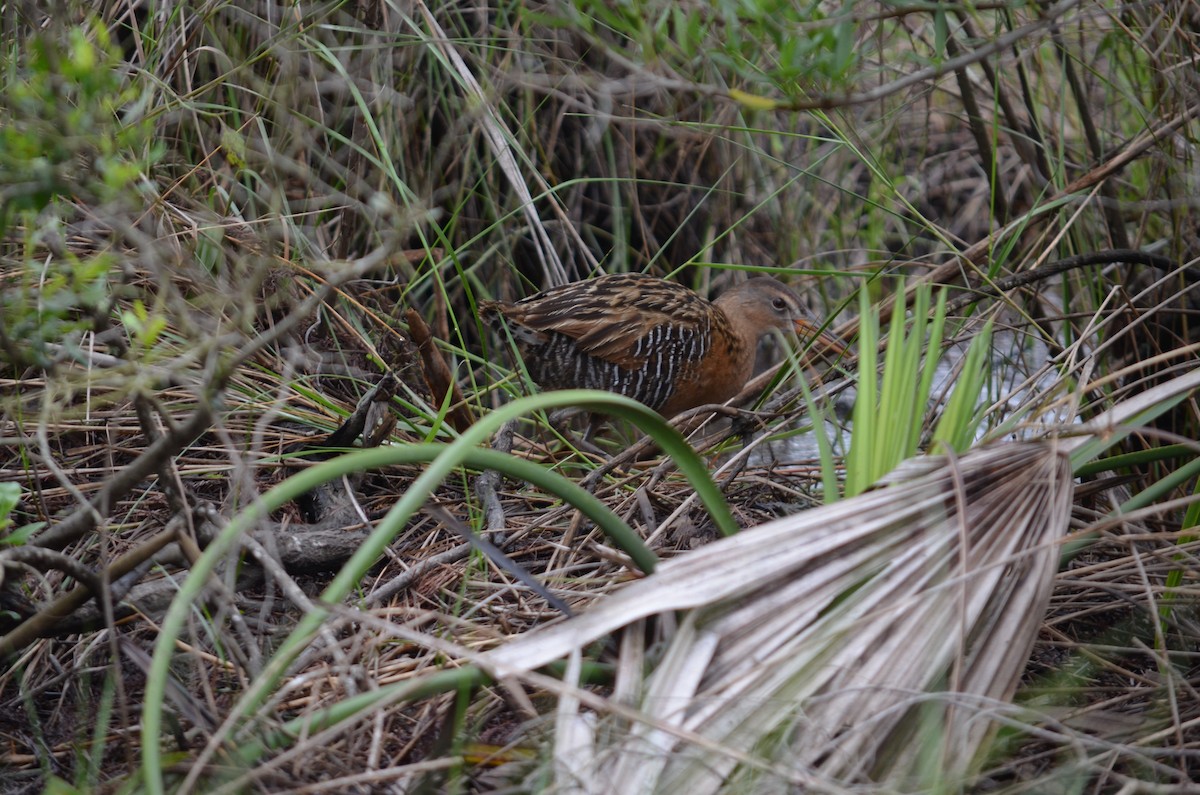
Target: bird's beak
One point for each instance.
(824, 341)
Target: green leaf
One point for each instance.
(10, 495)
(21, 535)
(957, 425)
(941, 30)
(57, 786)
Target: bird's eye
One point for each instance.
(779, 304)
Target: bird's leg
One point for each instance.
(744, 424)
(594, 421)
(558, 418)
(559, 421)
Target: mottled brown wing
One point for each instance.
(613, 317)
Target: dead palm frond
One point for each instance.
(811, 643)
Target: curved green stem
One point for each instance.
(463, 449)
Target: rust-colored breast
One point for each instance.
(720, 375)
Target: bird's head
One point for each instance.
(760, 304)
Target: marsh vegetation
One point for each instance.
(281, 514)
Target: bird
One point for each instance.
(651, 339)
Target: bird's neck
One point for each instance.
(733, 338)
(735, 313)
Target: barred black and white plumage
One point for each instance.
(653, 340)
